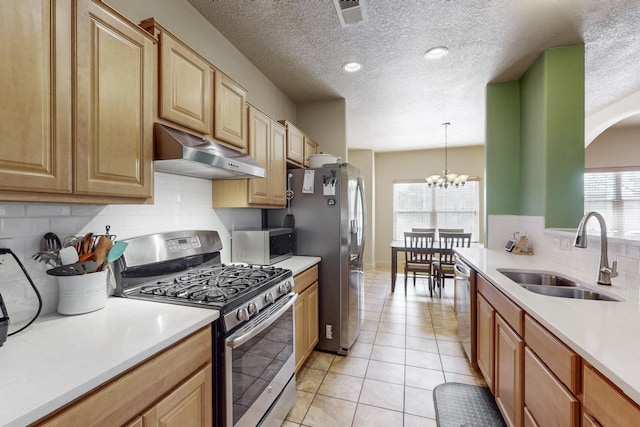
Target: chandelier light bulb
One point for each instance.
(447, 178)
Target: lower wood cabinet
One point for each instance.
(508, 386)
(306, 314)
(605, 405)
(537, 380)
(547, 400)
(172, 388)
(485, 340)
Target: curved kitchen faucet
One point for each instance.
(605, 273)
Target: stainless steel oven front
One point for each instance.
(259, 367)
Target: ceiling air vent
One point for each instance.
(350, 12)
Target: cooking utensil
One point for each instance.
(101, 251)
(87, 244)
(52, 242)
(68, 255)
(74, 269)
(289, 221)
(116, 251)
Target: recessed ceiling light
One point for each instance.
(436, 52)
(351, 67)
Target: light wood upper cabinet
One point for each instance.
(35, 106)
(185, 84)
(310, 148)
(80, 109)
(267, 147)
(295, 144)
(230, 119)
(115, 65)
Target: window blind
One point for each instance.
(415, 205)
(616, 196)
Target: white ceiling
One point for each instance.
(399, 100)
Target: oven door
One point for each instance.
(259, 368)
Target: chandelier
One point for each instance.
(447, 178)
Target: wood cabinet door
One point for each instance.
(312, 316)
(186, 88)
(190, 404)
(485, 340)
(604, 404)
(35, 105)
(259, 140)
(547, 400)
(230, 118)
(295, 145)
(310, 148)
(277, 167)
(508, 386)
(114, 83)
(300, 325)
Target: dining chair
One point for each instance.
(423, 230)
(443, 265)
(418, 256)
(450, 230)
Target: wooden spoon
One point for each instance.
(87, 244)
(102, 249)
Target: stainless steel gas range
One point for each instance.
(253, 342)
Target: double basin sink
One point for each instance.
(552, 284)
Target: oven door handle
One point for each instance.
(234, 341)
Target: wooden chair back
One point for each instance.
(449, 241)
(423, 230)
(419, 247)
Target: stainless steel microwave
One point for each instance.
(262, 247)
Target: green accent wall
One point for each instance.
(503, 130)
(535, 140)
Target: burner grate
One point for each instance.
(218, 284)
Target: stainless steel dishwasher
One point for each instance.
(465, 306)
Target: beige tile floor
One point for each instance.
(408, 346)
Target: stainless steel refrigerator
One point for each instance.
(330, 219)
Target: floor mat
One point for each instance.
(465, 405)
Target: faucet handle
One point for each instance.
(614, 269)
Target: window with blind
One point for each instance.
(415, 205)
(616, 196)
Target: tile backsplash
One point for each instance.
(180, 203)
(557, 246)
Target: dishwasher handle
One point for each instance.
(462, 270)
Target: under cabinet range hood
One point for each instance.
(180, 153)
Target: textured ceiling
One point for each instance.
(399, 100)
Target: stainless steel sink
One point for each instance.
(576, 293)
(552, 284)
(537, 278)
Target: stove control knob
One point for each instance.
(286, 287)
(252, 308)
(243, 315)
(268, 298)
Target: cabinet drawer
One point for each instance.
(603, 401)
(564, 363)
(509, 311)
(547, 399)
(305, 279)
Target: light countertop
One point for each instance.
(298, 264)
(604, 333)
(59, 358)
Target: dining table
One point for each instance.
(399, 246)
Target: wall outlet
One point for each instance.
(328, 332)
(565, 244)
